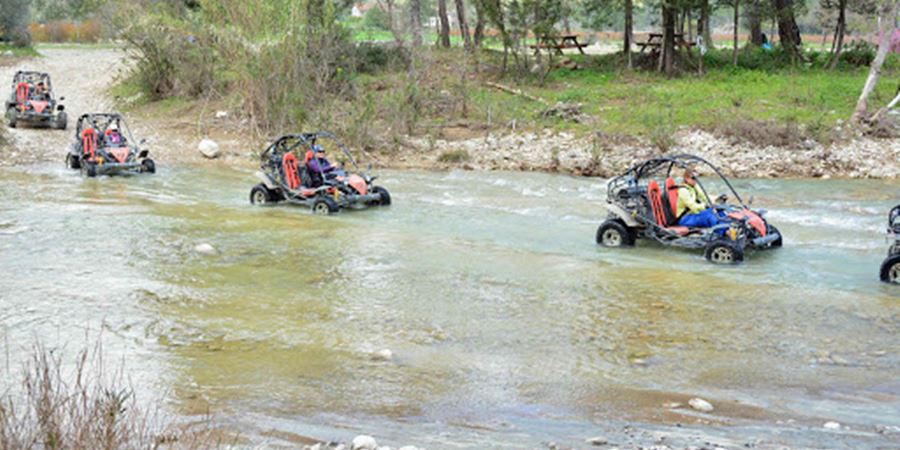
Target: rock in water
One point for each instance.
(599, 440)
(363, 442)
(383, 355)
(209, 148)
(205, 249)
(700, 405)
(832, 425)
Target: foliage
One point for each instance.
(14, 16)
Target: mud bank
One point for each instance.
(599, 155)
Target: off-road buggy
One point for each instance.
(32, 102)
(287, 177)
(642, 203)
(104, 145)
(890, 268)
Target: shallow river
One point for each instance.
(509, 327)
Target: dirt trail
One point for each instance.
(80, 75)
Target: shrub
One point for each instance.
(454, 156)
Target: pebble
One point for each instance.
(205, 249)
(221, 114)
(832, 425)
(363, 442)
(700, 405)
(599, 440)
(209, 148)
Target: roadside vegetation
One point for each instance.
(54, 403)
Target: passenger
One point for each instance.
(694, 209)
(113, 137)
(41, 92)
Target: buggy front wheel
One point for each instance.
(11, 116)
(72, 161)
(724, 252)
(148, 166)
(384, 197)
(890, 270)
(62, 121)
(613, 233)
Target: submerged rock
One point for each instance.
(363, 442)
(209, 148)
(598, 440)
(700, 405)
(832, 425)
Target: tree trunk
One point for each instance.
(629, 32)
(839, 34)
(444, 34)
(690, 25)
(788, 31)
(415, 21)
(705, 32)
(479, 24)
(667, 55)
(734, 51)
(463, 24)
(754, 22)
(886, 19)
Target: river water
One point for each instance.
(509, 327)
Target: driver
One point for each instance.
(318, 164)
(694, 209)
(113, 136)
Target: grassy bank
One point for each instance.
(16, 51)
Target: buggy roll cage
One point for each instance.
(289, 142)
(651, 167)
(101, 121)
(894, 221)
(25, 76)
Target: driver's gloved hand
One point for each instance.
(722, 198)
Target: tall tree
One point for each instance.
(667, 55)
(706, 28)
(444, 34)
(480, 20)
(737, 28)
(753, 13)
(788, 31)
(629, 30)
(14, 17)
(887, 16)
(415, 21)
(463, 24)
(838, 41)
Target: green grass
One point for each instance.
(19, 52)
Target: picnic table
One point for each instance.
(566, 41)
(655, 40)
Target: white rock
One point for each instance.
(8, 54)
(205, 249)
(598, 440)
(832, 425)
(383, 355)
(408, 447)
(363, 442)
(221, 114)
(209, 148)
(700, 405)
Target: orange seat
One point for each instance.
(658, 207)
(291, 171)
(89, 142)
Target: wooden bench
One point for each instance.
(567, 41)
(655, 40)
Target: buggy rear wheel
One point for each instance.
(324, 206)
(723, 252)
(890, 270)
(261, 195)
(613, 233)
(72, 161)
